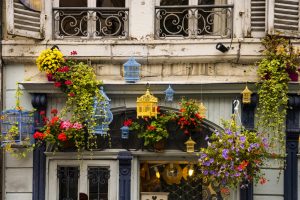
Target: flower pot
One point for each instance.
(293, 76)
(159, 146)
(68, 146)
(50, 77)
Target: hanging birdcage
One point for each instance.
(146, 105)
(132, 70)
(169, 94)
(202, 110)
(17, 126)
(190, 145)
(102, 114)
(246, 95)
(124, 132)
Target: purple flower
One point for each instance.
(230, 141)
(212, 172)
(242, 139)
(205, 172)
(206, 138)
(228, 131)
(242, 146)
(226, 174)
(225, 153)
(203, 156)
(206, 163)
(217, 133)
(211, 160)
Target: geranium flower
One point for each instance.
(127, 122)
(65, 125)
(77, 126)
(62, 137)
(73, 53)
(68, 82)
(151, 128)
(57, 84)
(54, 111)
(38, 135)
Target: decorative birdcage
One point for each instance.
(202, 110)
(190, 145)
(17, 126)
(169, 94)
(102, 114)
(246, 95)
(124, 132)
(132, 70)
(146, 105)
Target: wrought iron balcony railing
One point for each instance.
(201, 21)
(96, 23)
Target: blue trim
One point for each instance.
(124, 158)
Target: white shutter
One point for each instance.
(284, 17)
(258, 16)
(24, 21)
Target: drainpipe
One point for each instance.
(1, 102)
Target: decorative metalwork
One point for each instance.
(132, 70)
(103, 116)
(17, 125)
(193, 21)
(98, 182)
(96, 23)
(146, 105)
(68, 182)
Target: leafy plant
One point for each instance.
(233, 157)
(280, 58)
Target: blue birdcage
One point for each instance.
(17, 126)
(132, 70)
(124, 132)
(169, 94)
(102, 114)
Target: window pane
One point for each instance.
(206, 2)
(110, 3)
(68, 182)
(73, 3)
(98, 183)
(173, 2)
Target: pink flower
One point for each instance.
(57, 84)
(77, 126)
(65, 125)
(73, 53)
(68, 82)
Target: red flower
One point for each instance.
(62, 137)
(42, 112)
(127, 122)
(54, 120)
(38, 135)
(54, 111)
(57, 84)
(198, 116)
(68, 82)
(262, 180)
(71, 94)
(73, 53)
(151, 128)
(63, 69)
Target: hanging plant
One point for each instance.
(280, 59)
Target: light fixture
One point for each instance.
(146, 105)
(190, 145)
(221, 47)
(246, 95)
(191, 170)
(169, 94)
(157, 174)
(132, 70)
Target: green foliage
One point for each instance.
(279, 59)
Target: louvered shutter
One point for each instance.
(284, 17)
(258, 16)
(24, 21)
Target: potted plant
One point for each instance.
(234, 157)
(189, 118)
(153, 131)
(61, 133)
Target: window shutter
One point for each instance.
(24, 21)
(284, 17)
(258, 16)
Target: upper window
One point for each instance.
(184, 18)
(91, 19)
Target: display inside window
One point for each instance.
(68, 182)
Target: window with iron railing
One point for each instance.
(90, 19)
(186, 19)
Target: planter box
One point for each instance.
(154, 195)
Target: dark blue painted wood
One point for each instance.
(39, 102)
(124, 158)
(247, 117)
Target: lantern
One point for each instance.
(124, 132)
(22, 121)
(102, 114)
(169, 94)
(132, 70)
(202, 110)
(246, 95)
(190, 145)
(146, 105)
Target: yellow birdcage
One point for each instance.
(146, 105)
(190, 145)
(246, 95)
(202, 110)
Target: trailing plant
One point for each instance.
(233, 157)
(50, 60)
(280, 58)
